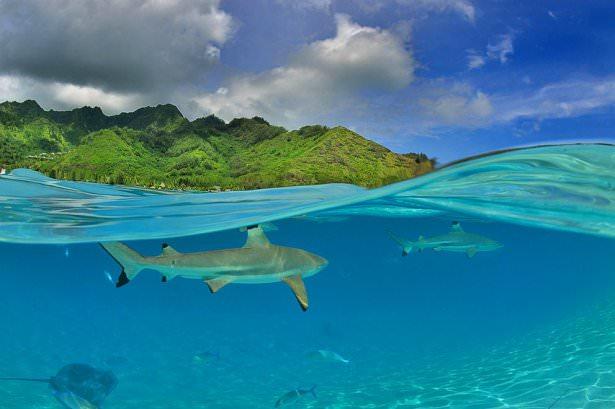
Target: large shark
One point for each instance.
(457, 240)
(257, 262)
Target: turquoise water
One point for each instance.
(529, 325)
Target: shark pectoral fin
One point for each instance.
(215, 284)
(122, 280)
(296, 284)
(471, 252)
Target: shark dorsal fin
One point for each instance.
(168, 250)
(256, 238)
(456, 226)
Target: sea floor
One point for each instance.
(566, 365)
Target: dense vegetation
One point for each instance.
(158, 147)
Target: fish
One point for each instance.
(108, 276)
(457, 240)
(206, 357)
(326, 356)
(257, 262)
(78, 386)
(293, 396)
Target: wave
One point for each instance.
(562, 187)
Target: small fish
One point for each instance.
(206, 357)
(294, 395)
(108, 275)
(326, 356)
(66, 252)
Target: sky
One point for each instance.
(450, 78)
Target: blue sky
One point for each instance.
(447, 77)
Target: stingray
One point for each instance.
(78, 386)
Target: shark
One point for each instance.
(456, 240)
(257, 262)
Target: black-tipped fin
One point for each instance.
(122, 280)
(256, 238)
(216, 284)
(296, 284)
(168, 250)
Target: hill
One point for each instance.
(159, 147)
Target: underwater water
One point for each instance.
(528, 325)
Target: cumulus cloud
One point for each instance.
(60, 95)
(463, 8)
(115, 45)
(320, 77)
(441, 104)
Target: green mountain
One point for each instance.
(159, 147)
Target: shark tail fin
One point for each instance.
(406, 246)
(130, 260)
(313, 391)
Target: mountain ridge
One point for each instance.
(158, 147)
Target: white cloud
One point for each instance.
(119, 45)
(318, 78)
(443, 104)
(77, 96)
(66, 96)
(501, 50)
(462, 7)
(308, 4)
(558, 100)
(475, 60)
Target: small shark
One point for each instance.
(457, 240)
(257, 262)
(290, 398)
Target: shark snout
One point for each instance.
(321, 262)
